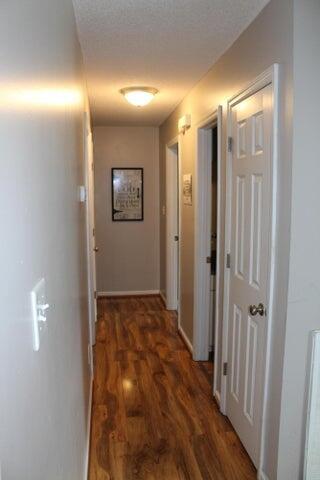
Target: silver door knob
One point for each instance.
(96, 249)
(254, 310)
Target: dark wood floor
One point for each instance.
(153, 413)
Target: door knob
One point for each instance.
(254, 310)
(96, 249)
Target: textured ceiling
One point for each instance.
(166, 44)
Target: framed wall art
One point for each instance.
(187, 189)
(127, 194)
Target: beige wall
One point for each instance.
(43, 395)
(128, 258)
(268, 40)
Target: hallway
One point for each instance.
(159, 155)
(153, 413)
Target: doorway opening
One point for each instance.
(213, 246)
(207, 304)
(172, 226)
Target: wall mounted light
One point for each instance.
(139, 96)
(184, 123)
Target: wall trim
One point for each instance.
(90, 226)
(217, 397)
(87, 452)
(129, 293)
(185, 339)
(262, 475)
(163, 298)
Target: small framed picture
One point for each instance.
(127, 194)
(187, 189)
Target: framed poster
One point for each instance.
(127, 194)
(187, 189)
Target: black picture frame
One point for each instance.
(136, 214)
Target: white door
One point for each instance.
(172, 227)
(91, 235)
(250, 227)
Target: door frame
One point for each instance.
(90, 230)
(269, 77)
(173, 189)
(202, 219)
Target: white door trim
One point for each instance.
(269, 77)
(91, 271)
(88, 432)
(202, 248)
(172, 261)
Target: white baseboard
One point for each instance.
(162, 295)
(262, 475)
(164, 299)
(173, 308)
(87, 453)
(185, 339)
(216, 395)
(128, 293)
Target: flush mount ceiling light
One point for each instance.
(139, 96)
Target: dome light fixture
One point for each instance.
(139, 96)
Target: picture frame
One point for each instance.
(127, 194)
(187, 189)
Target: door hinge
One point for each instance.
(225, 368)
(92, 166)
(93, 232)
(95, 295)
(230, 144)
(228, 260)
(208, 259)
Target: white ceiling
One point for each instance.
(166, 44)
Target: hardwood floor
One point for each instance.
(153, 414)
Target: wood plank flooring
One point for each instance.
(153, 416)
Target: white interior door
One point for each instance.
(250, 258)
(172, 227)
(91, 236)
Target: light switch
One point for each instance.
(82, 194)
(39, 308)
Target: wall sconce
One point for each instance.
(184, 123)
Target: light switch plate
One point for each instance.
(82, 194)
(39, 307)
